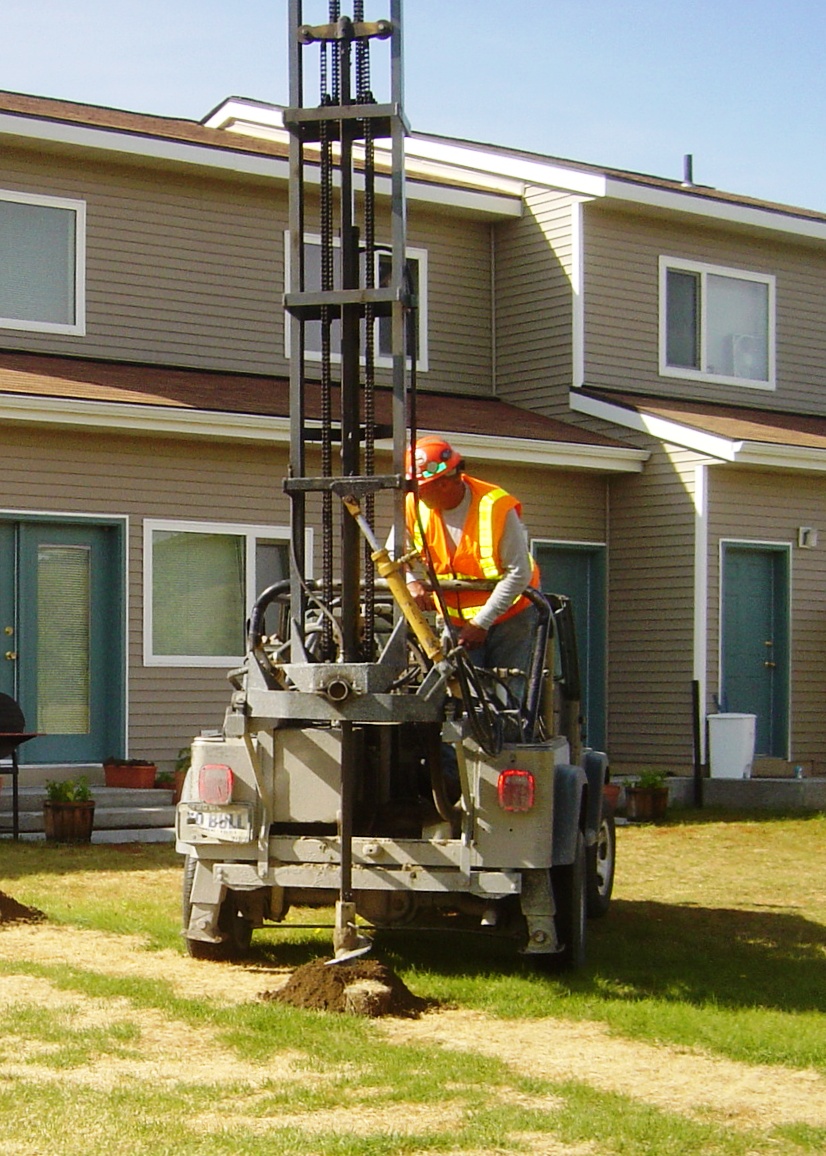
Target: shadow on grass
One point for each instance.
(694, 954)
(676, 953)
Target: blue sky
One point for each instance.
(632, 84)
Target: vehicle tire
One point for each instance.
(231, 922)
(569, 888)
(601, 861)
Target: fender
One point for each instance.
(570, 785)
(596, 767)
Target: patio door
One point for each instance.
(61, 602)
(754, 659)
(578, 571)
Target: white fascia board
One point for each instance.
(504, 203)
(152, 419)
(533, 172)
(533, 452)
(137, 145)
(747, 453)
(165, 422)
(684, 202)
(662, 429)
(771, 455)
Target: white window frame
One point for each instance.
(78, 327)
(381, 362)
(680, 265)
(252, 534)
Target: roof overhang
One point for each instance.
(500, 200)
(688, 433)
(177, 422)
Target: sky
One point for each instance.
(629, 84)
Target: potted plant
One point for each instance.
(68, 811)
(646, 799)
(129, 772)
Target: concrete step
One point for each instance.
(121, 814)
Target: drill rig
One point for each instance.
(326, 786)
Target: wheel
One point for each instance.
(236, 928)
(601, 860)
(569, 888)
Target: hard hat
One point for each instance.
(434, 458)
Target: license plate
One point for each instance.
(231, 823)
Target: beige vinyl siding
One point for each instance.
(651, 625)
(62, 473)
(534, 303)
(769, 507)
(622, 308)
(188, 270)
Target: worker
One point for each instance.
(473, 529)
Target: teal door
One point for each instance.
(754, 659)
(578, 571)
(61, 600)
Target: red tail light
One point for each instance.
(215, 783)
(516, 790)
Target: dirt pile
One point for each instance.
(323, 987)
(13, 912)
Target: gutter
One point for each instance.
(171, 422)
(748, 453)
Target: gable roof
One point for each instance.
(739, 434)
(171, 402)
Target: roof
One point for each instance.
(38, 388)
(731, 433)
(444, 162)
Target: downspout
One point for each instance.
(493, 367)
(701, 590)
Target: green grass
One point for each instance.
(716, 940)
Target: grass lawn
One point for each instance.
(698, 1025)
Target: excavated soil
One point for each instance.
(13, 912)
(322, 986)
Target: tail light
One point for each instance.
(215, 783)
(516, 790)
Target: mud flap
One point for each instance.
(537, 902)
(205, 897)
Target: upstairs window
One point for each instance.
(42, 263)
(417, 261)
(716, 324)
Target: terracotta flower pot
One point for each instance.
(130, 774)
(69, 822)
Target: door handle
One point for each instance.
(770, 664)
(11, 655)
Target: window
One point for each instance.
(716, 324)
(200, 581)
(417, 263)
(42, 263)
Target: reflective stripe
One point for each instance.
(486, 558)
(418, 541)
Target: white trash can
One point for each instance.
(731, 745)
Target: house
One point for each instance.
(638, 360)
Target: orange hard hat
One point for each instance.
(434, 458)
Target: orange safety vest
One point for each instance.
(477, 552)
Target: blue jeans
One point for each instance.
(509, 645)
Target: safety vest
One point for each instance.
(477, 552)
